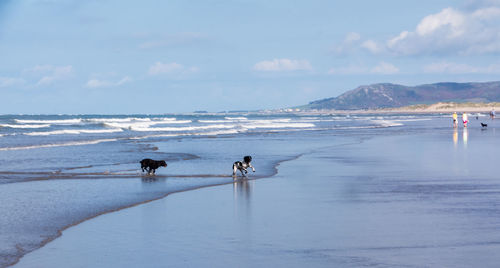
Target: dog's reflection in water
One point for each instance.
(149, 179)
(242, 189)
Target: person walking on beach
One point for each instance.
(455, 120)
(492, 114)
(465, 119)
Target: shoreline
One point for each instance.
(60, 231)
(346, 206)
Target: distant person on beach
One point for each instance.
(492, 114)
(455, 120)
(465, 119)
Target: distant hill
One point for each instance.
(388, 95)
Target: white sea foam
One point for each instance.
(128, 125)
(132, 125)
(25, 126)
(61, 121)
(386, 123)
(190, 128)
(172, 122)
(72, 131)
(218, 132)
(76, 143)
(209, 133)
(117, 120)
(165, 119)
(277, 125)
(236, 118)
(413, 120)
(215, 121)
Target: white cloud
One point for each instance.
(160, 68)
(349, 42)
(51, 73)
(460, 68)
(384, 68)
(11, 81)
(371, 46)
(449, 19)
(451, 31)
(96, 83)
(282, 65)
(486, 13)
(352, 37)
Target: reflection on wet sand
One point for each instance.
(465, 137)
(242, 190)
(455, 137)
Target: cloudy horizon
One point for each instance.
(66, 56)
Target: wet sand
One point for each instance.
(430, 199)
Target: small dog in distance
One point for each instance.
(242, 166)
(484, 125)
(151, 165)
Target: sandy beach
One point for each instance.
(440, 107)
(424, 196)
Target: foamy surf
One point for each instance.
(77, 143)
(272, 125)
(192, 128)
(386, 123)
(59, 121)
(235, 118)
(73, 132)
(117, 120)
(25, 126)
(143, 124)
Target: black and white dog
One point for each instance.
(151, 165)
(242, 166)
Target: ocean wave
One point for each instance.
(277, 125)
(413, 120)
(236, 118)
(173, 122)
(386, 123)
(191, 128)
(57, 122)
(116, 120)
(25, 126)
(73, 131)
(93, 120)
(215, 121)
(165, 119)
(219, 132)
(208, 133)
(75, 143)
(127, 125)
(144, 124)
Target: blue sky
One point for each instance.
(110, 56)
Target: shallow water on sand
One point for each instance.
(419, 195)
(58, 171)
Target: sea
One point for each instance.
(57, 171)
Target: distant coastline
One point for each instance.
(440, 107)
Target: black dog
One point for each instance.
(151, 165)
(484, 125)
(242, 166)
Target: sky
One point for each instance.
(156, 57)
